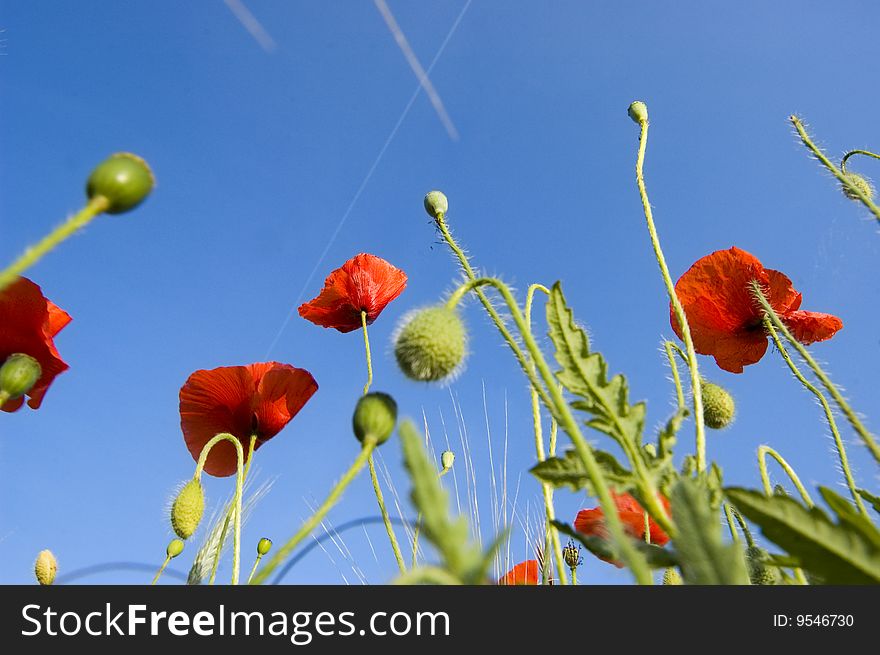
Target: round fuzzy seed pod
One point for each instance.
(447, 459)
(760, 572)
(638, 111)
(859, 182)
(718, 406)
(431, 344)
(186, 512)
(124, 179)
(375, 416)
(46, 567)
(436, 204)
(18, 374)
(264, 546)
(671, 576)
(175, 548)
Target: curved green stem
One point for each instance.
(315, 519)
(385, 518)
(678, 310)
(161, 569)
(851, 416)
(763, 451)
(731, 523)
(369, 356)
(551, 535)
(239, 483)
(35, 253)
(836, 172)
(676, 378)
(559, 408)
(867, 153)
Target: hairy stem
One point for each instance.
(385, 518)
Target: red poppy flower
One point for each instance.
(257, 399)
(364, 283)
(28, 324)
(524, 573)
(591, 522)
(724, 318)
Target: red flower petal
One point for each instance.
(783, 297)
(28, 324)
(524, 573)
(810, 327)
(364, 283)
(257, 399)
(591, 522)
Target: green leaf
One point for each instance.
(569, 471)
(585, 374)
(704, 558)
(838, 553)
(657, 557)
(667, 436)
(450, 537)
(848, 514)
(871, 498)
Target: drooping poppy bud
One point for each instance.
(431, 344)
(175, 548)
(187, 509)
(264, 545)
(124, 179)
(18, 375)
(854, 180)
(375, 416)
(46, 567)
(638, 111)
(436, 204)
(718, 406)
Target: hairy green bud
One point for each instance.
(856, 181)
(447, 459)
(375, 416)
(19, 374)
(175, 548)
(124, 179)
(264, 546)
(671, 576)
(761, 572)
(431, 344)
(718, 406)
(436, 204)
(638, 111)
(187, 509)
(46, 567)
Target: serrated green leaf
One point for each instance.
(584, 373)
(871, 498)
(449, 536)
(704, 558)
(667, 436)
(838, 553)
(847, 513)
(657, 557)
(569, 471)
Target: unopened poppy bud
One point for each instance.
(175, 548)
(760, 571)
(638, 111)
(856, 181)
(18, 375)
(436, 204)
(264, 546)
(374, 416)
(651, 449)
(124, 179)
(571, 555)
(447, 459)
(187, 509)
(671, 576)
(431, 344)
(46, 567)
(718, 406)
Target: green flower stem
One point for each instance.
(35, 253)
(161, 569)
(839, 174)
(369, 356)
(676, 378)
(574, 575)
(763, 451)
(239, 482)
(493, 313)
(385, 518)
(851, 416)
(254, 568)
(829, 416)
(867, 153)
(680, 316)
(315, 519)
(559, 408)
(551, 535)
(427, 575)
(731, 523)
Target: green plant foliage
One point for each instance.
(847, 552)
(464, 560)
(871, 498)
(703, 557)
(657, 557)
(569, 471)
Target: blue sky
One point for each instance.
(259, 155)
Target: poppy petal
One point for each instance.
(524, 573)
(783, 297)
(810, 327)
(282, 391)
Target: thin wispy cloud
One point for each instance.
(251, 24)
(417, 68)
